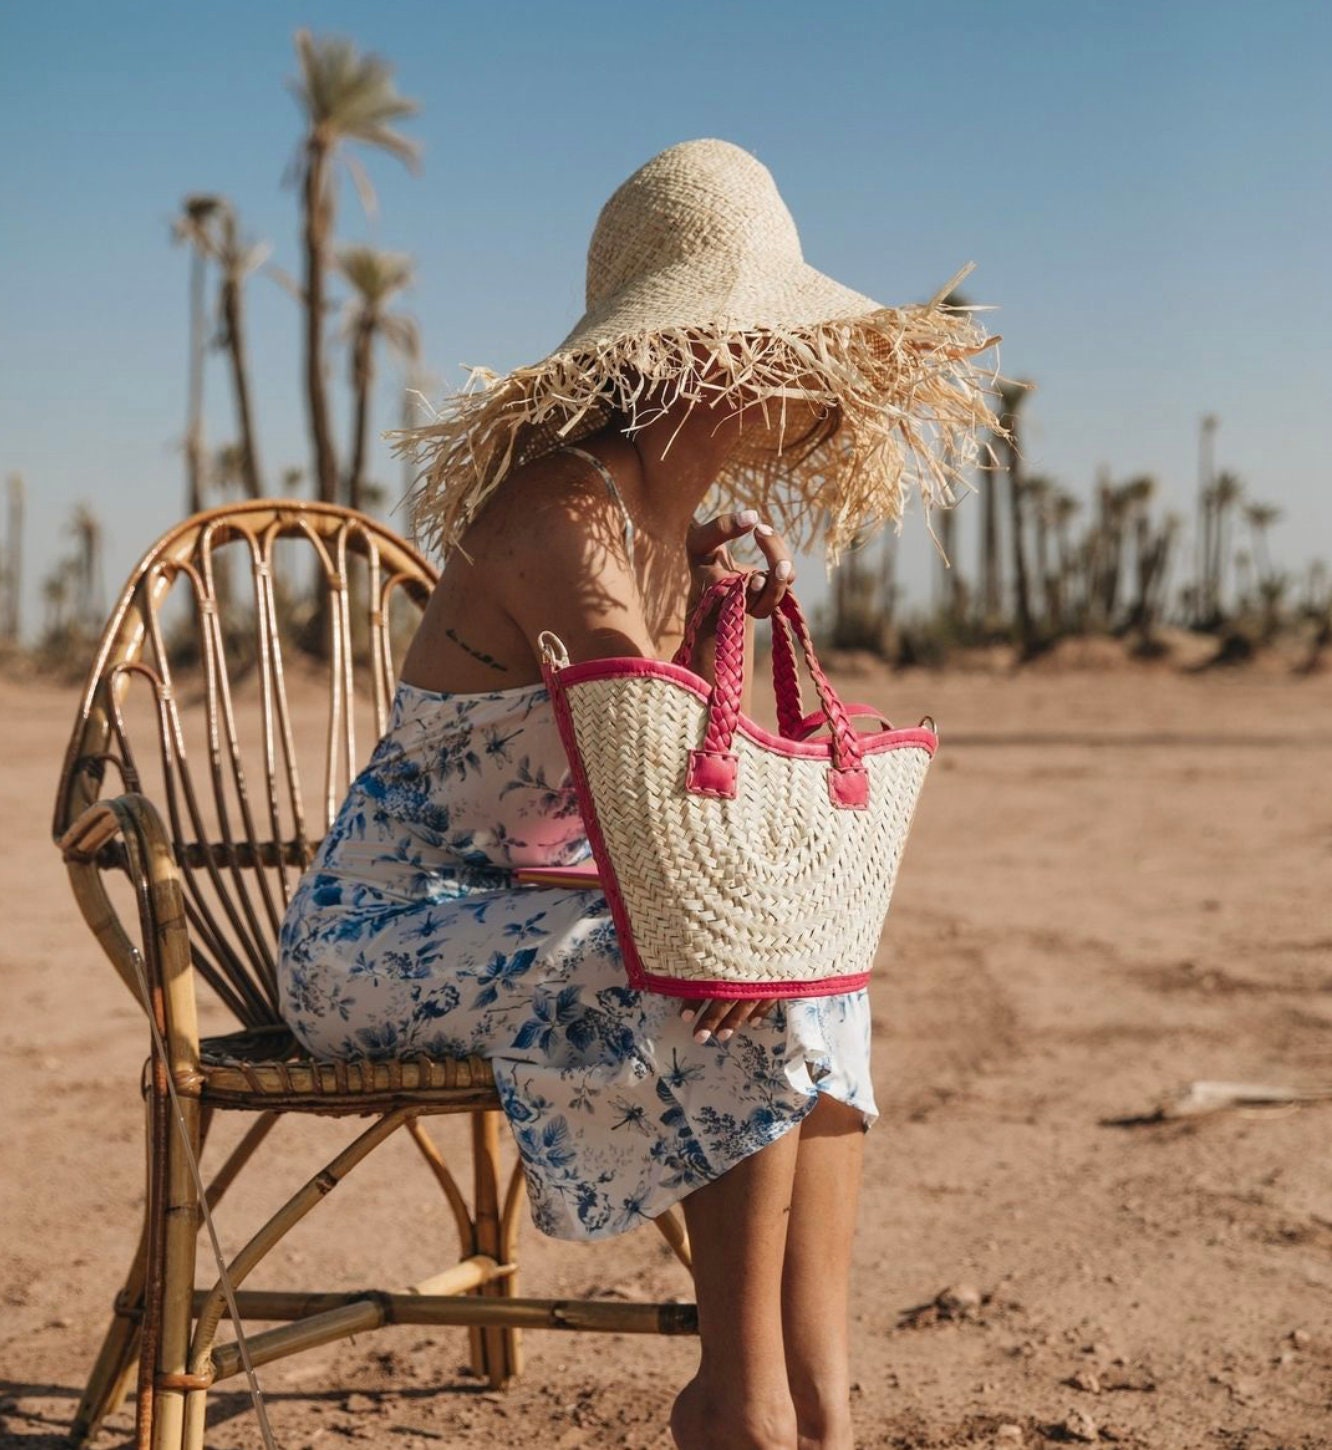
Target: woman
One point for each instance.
(712, 361)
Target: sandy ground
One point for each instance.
(1118, 883)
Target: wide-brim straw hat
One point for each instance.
(854, 403)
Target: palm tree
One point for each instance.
(1260, 517)
(1148, 550)
(193, 228)
(346, 97)
(1040, 499)
(1106, 548)
(1207, 427)
(1062, 508)
(375, 277)
(13, 570)
(1226, 493)
(236, 259)
(990, 585)
(89, 603)
(1011, 397)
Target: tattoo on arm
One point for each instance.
(479, 654)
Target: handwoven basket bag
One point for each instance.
(737, 863)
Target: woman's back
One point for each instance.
(556, 547)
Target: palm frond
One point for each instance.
(350, 96)
(375, 275)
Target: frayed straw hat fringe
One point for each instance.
(696, 287)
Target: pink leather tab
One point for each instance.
(712, 773)
(849, 787)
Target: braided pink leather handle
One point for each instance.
(712, 766)
(785, 677)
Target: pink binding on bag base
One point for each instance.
(712, 767)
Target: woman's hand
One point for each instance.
(721, 1019)
(710, 559)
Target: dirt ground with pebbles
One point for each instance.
(1119, 882)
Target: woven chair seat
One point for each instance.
(268, 1068)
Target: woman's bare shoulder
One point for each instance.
(551, 515)
(554, 537)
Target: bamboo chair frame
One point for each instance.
(210, 887)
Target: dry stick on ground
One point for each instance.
(1204, 1096)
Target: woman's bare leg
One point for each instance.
(817, 1274)
(739, 1399)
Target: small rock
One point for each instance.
(1300, 1338)
(1087, 1380)
(1079, 1425)
(959, 1299)
(359, 1404)
(1125, 1379)
(1008, 1435)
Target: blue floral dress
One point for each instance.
(409, 935)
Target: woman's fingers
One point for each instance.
(722, 1020)
(777, 578)
(702, 540)
(740, 1013)
(708, 555)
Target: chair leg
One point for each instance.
(111, 1371)
(173, 1233)
(496, 1353)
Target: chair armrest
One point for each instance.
(162, 967)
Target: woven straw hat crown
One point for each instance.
(700, 236)
(698, 291)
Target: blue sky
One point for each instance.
(1144, 188)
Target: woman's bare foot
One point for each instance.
(702, 1420)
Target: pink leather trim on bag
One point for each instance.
(849, 787)
(742, 991)
(712, 773)
(871, 743)
(817, 719)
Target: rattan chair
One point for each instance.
(182, 863)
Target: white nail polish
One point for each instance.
(749, 516)
(785, 569)
(764, 529)
(756, 582)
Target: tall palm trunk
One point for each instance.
(1205, 600)
(233, 322)
(990, 581)
(318, 222)
(948, 576)
(1018, 529)
(14, 561)
(363, 377)
(194, 437)
(1012, 401)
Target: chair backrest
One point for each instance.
(228, 663)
